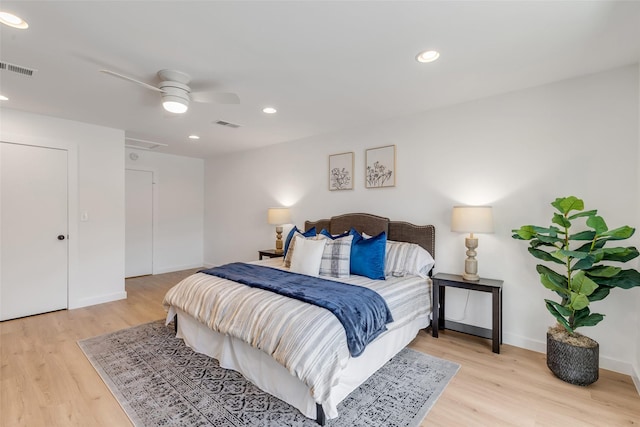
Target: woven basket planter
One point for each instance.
(573, 364)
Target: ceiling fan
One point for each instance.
(176, 93)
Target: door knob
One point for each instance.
(61, 237)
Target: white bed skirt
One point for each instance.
(262, 370)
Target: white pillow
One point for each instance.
(292, 247)
(336, 258)
(404, 258)
(308, 255)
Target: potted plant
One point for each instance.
(583, 274)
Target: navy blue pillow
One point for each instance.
(367, 255)
(324, 232)
(309, 233)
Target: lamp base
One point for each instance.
(470, 277)
(471, 264)
(279, 244)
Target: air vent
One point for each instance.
(227, 124)
(143, 144)
(17, 69)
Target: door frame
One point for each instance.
(72, 204)
(58, 160)
(154, 208)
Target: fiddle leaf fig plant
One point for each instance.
(583, 271)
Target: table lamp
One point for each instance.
(277, 217)
(471, 219)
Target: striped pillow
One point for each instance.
(407, 258)
(336, 258)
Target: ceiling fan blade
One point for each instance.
(123, 77)
(215, 97)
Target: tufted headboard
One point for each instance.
(423, 235)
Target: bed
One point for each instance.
(296, 351)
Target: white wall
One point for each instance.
(517, 152)
(178, 205)
(96, 185)
(636, 368)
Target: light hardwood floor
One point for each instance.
(45, 380)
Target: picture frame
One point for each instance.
(341, 171)
(380, 167)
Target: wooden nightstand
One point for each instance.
(441, 281)
(270, 253)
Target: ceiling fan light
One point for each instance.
(13, 21)
(175, 105)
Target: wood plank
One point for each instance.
(45, 380)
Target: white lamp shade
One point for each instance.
(472, 219)
(278, 216)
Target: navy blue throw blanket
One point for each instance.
(362, 311)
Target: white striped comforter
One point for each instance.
(308, 340)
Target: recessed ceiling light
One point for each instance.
(269, 110)
(428, 56)
(194, 137)
(13, 21)
(3, 98)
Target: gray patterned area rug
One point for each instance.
(159, 381)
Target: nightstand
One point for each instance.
(441, 281)
(270, 253)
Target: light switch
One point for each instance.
(84, 216)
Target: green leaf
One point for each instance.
(564, 311)
(558, 255)
(625, 279)
(534, 243)
(549, 283)
(578, 301)
(583, 235)
(603, 271)
(543, 255)
(585, 263)
(581, 214)
(620, 233)
(582, 285)
(568, 204)
(526, 232)
(597, 223)
(561, 220)
(587, 246)
(554, 308)
(549, 239)
(619, 254)
(599, 294)
(585, 318)
(556, 277)
(573, 254)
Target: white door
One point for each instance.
(33, 227)
(139, 223)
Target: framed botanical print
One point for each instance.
(341, 171)
(380, 167)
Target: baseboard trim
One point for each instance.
(163, 270)
(607, 363)
(635, 376)
(100, 299)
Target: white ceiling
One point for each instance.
(325, 65)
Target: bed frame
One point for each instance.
(422, 235)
